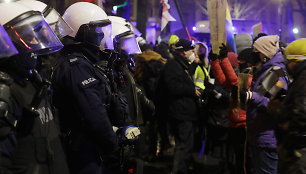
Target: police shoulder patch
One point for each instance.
(88, 82)
(73, 60)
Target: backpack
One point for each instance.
(269, 80)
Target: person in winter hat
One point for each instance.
(247, 60)
(232, 57)
(225, 70)
(180, 96)
(267, 79)
(171, 44)
(267, 46)
(290, 112)
(173, 40)
(243, 41)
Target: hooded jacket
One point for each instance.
(260, 125)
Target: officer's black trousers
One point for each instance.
(5, 164)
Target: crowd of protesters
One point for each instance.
(83, 93)
(250, 104)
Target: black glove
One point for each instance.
(208, 85)
(234, 92)
(223, 52)
(242, 93)
(212, 56)
(281, 95)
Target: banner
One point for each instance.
(166, 16)
(257, 28)
(177, 25)
(217, 21)
(230, 31)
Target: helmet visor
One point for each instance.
(97, 33)
(7, 48)
(56, 22)
(127, 42)
(31, 33)
(107, 41)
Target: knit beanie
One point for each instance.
(232, 57)
(296, 50)
(267, 45)
(243, 41)
(248, 56)
(173, 39)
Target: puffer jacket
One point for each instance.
(260, 125)
(226, 76)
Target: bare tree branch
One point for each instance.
(202, 7)
(247, 9)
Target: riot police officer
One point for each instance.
(58, 25)
(81, 93)
(126, 45)
(7, 137)
(29, 105)
(52, 17)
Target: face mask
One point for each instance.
(255, 56)
(191, 57)
(242, 66)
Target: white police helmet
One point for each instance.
(28, 29)
(125, 22)
(124, 39)
(90, 24)
(140, 40)
(7, 48)
(54, 19)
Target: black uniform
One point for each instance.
(8, 141)
(39, 148)
(81, 95)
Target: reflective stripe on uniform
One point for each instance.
(199, 80)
